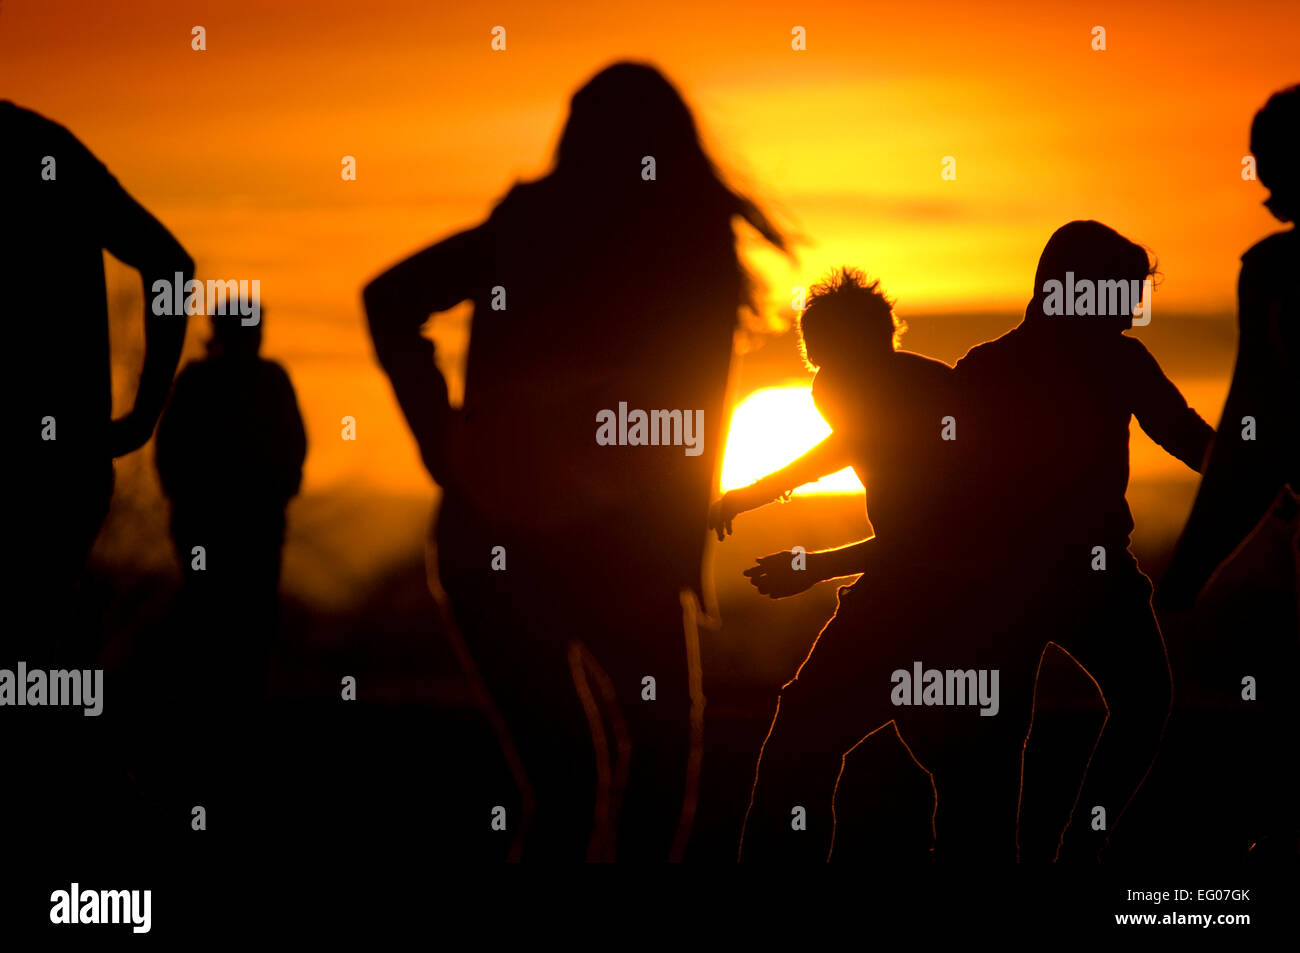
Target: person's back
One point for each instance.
(1048, 407)
(893, 420)
(232, 436)
(1051, 414)
(1269, 319)
(605, 310)
(230, 453)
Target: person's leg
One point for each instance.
(642, 689)
(835, 700)
(982, 645)
(977, 783)
(56, 528)
(513, 629)
(529, 681)
(1116, 638)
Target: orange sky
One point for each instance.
(238, 148)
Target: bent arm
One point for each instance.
(397, 304)
(1164, 415)
(850, 560)
(135, 237)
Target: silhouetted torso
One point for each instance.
(1048, 411)
(603, 307)
(892, 417)
(1257, 451)
(232, 434)
(57, 230)
(62, 209)
(230, 452)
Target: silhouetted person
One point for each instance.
(890, 414)
(230, 452)
(567, 545)
(62, 211)
(1049, 408)
(1255, 459)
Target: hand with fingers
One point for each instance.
(777, 577)
(722, 513)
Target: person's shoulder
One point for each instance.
(522, 198)
(830, 391)
(191, 381)
(14, 115)
(923, 367)
(924, 361)
(1133, 355)
(1285, 242)
(274, 373)
(986, 352)
(27, 127)
(1279, 250)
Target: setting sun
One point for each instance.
(770, 428)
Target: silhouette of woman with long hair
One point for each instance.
(570, 548)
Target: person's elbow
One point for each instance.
(383, 318)
(170, 259)
(376, 301)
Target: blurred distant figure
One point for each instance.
(606, 289)
(230, 453)
(62, 210)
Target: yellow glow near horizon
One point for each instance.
(772, 427)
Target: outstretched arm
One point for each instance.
(397, 304)
(829, 456)
(1163, 413)
(786, 574)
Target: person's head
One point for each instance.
(1276, 148)
(1090, 277)
(847, 318)
(623, 119)
(232, 339)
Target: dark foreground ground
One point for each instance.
(399, 782)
